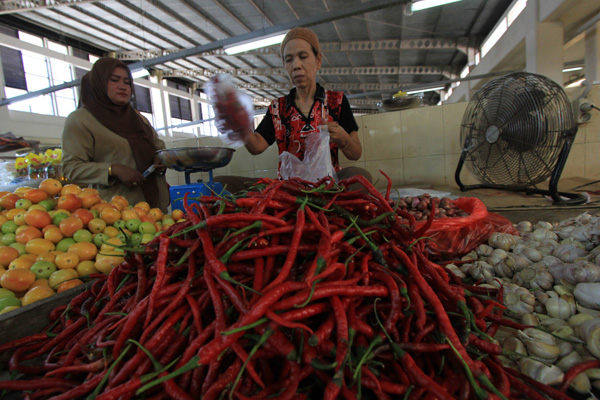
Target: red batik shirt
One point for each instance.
(286, 125)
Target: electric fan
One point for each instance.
(517, 132)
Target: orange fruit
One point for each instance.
(54, 235)
(70, 188)
(8, 201)
(17, 280)
(110, 231)
(67, 260)
(39, 282)
(129, 213)
(84, 215)
(36, 294)
(23, 262)
(69, 202)
(84, 250)
(88, 200)
(27, 233)
(20, 217)
(47, 228)
(143, 205)
(7, 255)
(88, 190)
(111, 244)
(70, 225)
(110, 215)
(119, 200)
(86, 267)
(38, 218)
(96, 225)
(10, 214)
(66, 285)
(35, 195)
(107, 260)
(3, 219)
(51, 186)
(47, 256)
(38, 246)
(156, 213)
(101, 206)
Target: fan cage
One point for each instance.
(513, 130)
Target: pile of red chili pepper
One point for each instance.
(296, 290)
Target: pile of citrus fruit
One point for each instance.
(53, 236)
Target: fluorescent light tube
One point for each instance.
(423, 4)
(572, 69)
(255, 44)
(426, 90)
(140, 73)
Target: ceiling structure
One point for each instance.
(371, 49)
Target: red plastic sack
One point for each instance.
(452, 238)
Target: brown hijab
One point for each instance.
(123, 120)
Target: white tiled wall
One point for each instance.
(416, 148)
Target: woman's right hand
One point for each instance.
(129, 176)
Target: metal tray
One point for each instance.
(195, 158)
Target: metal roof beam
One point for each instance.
(326, 47)
(15, 6)
(401, 70)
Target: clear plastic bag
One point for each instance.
(317, 159)
(234, 111)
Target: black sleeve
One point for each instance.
(266, 129)
(347, 120)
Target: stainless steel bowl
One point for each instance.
(399, 103)
(195, 158)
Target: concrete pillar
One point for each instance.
(544, 52)
(3, 109)
(592, 53)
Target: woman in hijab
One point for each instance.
(108, 144)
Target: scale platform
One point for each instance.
(190, 160)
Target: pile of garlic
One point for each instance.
(551, 279)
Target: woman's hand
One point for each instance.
(159, 167)
(348, 143)
(337, 134)
(129, 176)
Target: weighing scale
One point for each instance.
(190, 160)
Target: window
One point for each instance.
(12, 64)
(142, 99)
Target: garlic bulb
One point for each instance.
(546, 247)
(578, 319)
(514, 345)
(565, 332)
(483, 250)
(497, 256)
(518, 299)
(564, 232)
(566, 362)
(544, 352)
(562, 289)
(530, 319)
(524, 226)
(456, 271)
(565, 348)
(550, 261)
(580, 271)
(534, 278)
(581, 234)
(532, 254)
(569, 252)
(541, 234)
(470, 256)
(502, 241)
(562, 307)
(543, 225)
(550, 375)
(533, 334)
(589, 331)
(481, 270)
(588, 294)
(583, 310)
(552, 324)
(581, 384)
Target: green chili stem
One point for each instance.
(261, 341)
(190, 365)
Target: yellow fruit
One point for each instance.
(107, 260)
(35, 294)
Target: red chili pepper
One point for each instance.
(576, 370)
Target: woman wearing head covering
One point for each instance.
(108, 144)
(290, 119)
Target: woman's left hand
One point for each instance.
(337, 134)
(159, 167)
